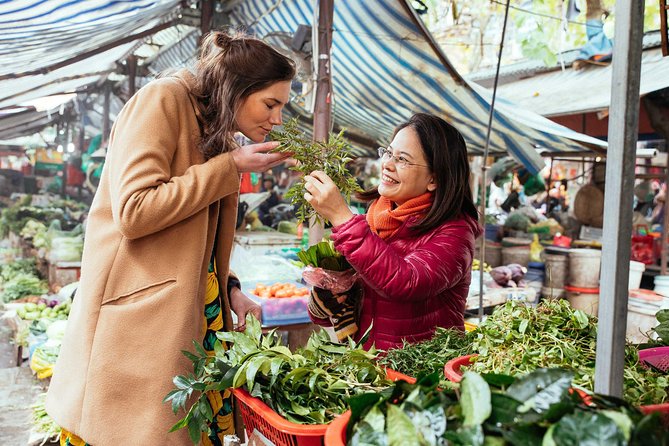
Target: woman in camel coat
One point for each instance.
(167, 201)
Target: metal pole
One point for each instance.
(132, 73)
(484, 166)
(664, 239)
(323, 105)
(105, 111)
(620, 163)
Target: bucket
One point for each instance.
(584, 268)
(552, 293)
(493, 254)
(535, 276)
(636, 271)
(556, 268)
(662, 285)
(493, 232)
(516, 254)
(584, 299)
(640, 320)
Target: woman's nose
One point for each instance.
(276, 119)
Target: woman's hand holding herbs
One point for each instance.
(257, 157)
(324, 196)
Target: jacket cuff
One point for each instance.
(352, 222)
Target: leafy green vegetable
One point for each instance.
(324, 255)
(478, 414)
(23, 284)
(329, 156)
(475, 400)
(310, 386)
(662, 329)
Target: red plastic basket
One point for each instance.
(278, 430)
(259, 416)
(452, 370)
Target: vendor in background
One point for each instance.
(271, 201)
(154, 273)
(414, 248)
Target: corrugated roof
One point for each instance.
(587, 90)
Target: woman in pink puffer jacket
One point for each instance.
(414, 248)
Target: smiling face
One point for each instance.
(402, 184)
(260, 111)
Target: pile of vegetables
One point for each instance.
(31, 311)
(429, 356)
(21, 285)
(41, 420)
(329, 156)
(517, 339)
(280, 290)
(311, 386)
(498, 410)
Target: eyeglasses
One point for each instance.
(386, 154)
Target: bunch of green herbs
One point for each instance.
(324, 255)
(310, 386)
(537, 408)
(329, 156)
(518, 339)
(428, 356)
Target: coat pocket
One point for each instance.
(141, 293)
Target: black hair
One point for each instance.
(446, 154)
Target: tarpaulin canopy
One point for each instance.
(386, 66)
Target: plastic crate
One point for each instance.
(259, 416)
(657, 357)
(280, 311)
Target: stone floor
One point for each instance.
(18, 391)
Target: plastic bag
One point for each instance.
(642, 246)
(335, 281)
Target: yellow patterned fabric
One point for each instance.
(221, 403)
(69, 439)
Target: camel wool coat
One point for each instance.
(150, 233)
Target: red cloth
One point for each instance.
(412, 284)
(386, 221)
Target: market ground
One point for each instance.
(18, 391)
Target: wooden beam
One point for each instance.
(664, 32)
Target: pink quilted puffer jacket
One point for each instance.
(412, 284)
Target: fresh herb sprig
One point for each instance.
(329, 156)
(427, 356)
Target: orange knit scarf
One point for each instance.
(386, 221)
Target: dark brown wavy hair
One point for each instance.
(446, 154)
(230, 68)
